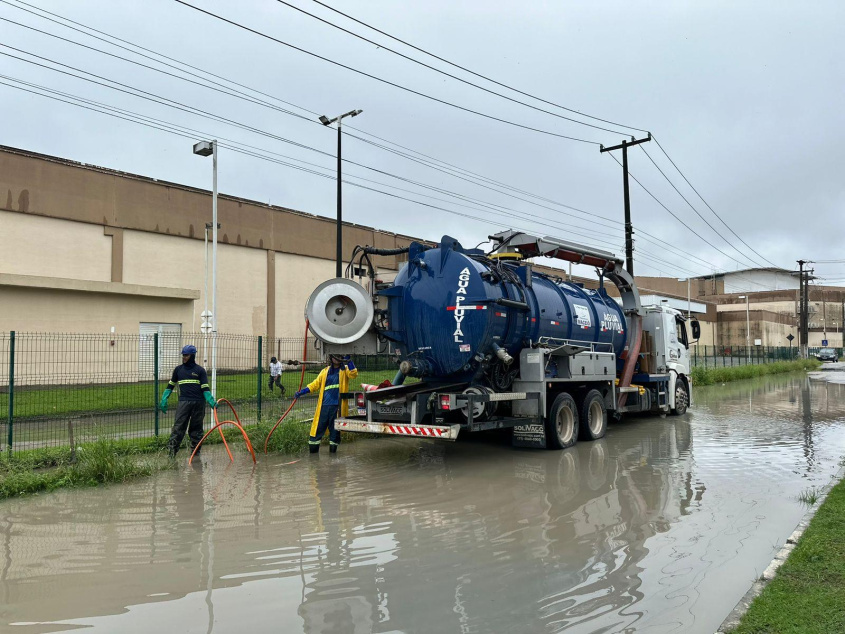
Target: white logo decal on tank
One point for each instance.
(460, 296)
(582, 316)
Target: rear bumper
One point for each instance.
(439, 432)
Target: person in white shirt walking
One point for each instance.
(276, 375)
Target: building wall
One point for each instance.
(61, 311)
(36, 245)
(161, 260)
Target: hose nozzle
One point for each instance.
(503, 354)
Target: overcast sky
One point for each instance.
(746, 97)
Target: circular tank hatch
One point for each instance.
(339, 311)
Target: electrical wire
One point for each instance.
(471, 72)
(484, 179)
(442, 72)
(386, 81)
(691, 206)
(678, 169)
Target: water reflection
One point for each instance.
(662, 523)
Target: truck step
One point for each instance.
(440, 432)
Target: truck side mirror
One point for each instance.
(696, 329)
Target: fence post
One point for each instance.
(260, 342)
(11, 390)
(155, 379)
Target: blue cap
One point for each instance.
(189, 349)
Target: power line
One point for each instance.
(678, 169)
(385, 81)
(192, 110)
(471, 72)
(192, 133)
(676, 217)
(442, 72)
(662, 173)
(462, 171)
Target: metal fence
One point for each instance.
(728, 356)
(58, 387)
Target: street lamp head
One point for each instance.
(355, 113)
(324, 119)
(204, 148)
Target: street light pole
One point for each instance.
(326, 121)
(209, 148)
(214, 229)
(747, 327)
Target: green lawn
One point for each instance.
(808, 593)
(238, 388)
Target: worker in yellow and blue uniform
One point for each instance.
(194, 393)
(331, 382)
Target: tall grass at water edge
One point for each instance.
(712, 376)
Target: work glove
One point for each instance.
(210, 400)
(162, 405)
(302, 392)
(348, 361)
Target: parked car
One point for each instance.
(827, 354)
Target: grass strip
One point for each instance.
(105, 461)
(711, 376)
(100, 462)
(807, 594)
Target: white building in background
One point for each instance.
(749, 281)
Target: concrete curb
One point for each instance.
(741, 608)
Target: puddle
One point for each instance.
(660, 527)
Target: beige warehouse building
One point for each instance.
(87, 249)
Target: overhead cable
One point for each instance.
(386, 81)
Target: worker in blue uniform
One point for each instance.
(331, 383)
(194, 393)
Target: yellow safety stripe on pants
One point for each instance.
(332, 442)
(196, 381)
(313, 442)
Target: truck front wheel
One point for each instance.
(593, 417)
(562, 423)
(681, 397)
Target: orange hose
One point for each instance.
(217, 427)
(301, 381)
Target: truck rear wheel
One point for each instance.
(562, 423)
(593, 417)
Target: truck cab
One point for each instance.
(670, 351)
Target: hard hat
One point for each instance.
(189, 349)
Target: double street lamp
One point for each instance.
(209, 148)
(326, 121)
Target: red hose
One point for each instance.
(301, 381)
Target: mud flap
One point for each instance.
(532, 436)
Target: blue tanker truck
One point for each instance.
(494, 344)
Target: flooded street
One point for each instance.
(660, 527)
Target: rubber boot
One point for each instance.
(313, 445)
(333, 447)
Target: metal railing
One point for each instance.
(54, 387)
(729, 356)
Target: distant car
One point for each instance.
(827, 354)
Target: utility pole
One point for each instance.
(629, 230)
(802, 313)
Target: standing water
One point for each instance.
(660, 527)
